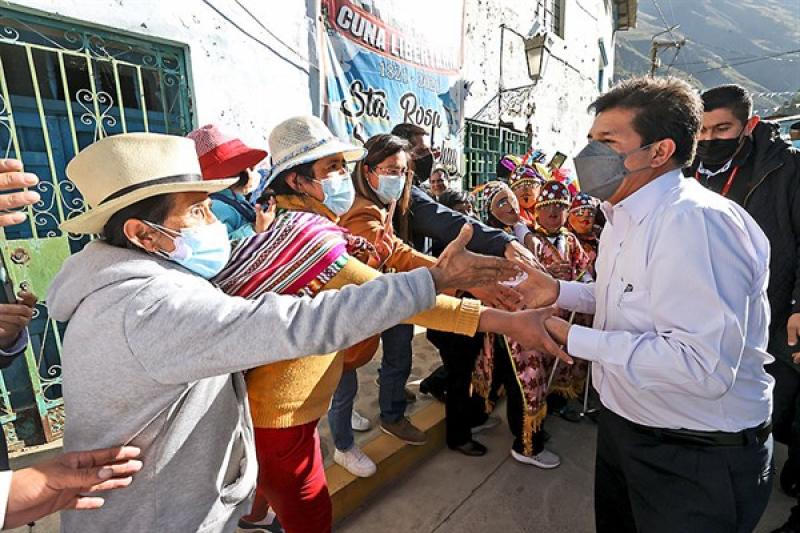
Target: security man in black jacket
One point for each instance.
(745, 159)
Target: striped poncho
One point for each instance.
(298, 254)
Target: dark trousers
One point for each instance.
(643, 484)
(462, 411)
(505, 375)
(786, 405)
(786, 424)
(394, 371)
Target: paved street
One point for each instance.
(455, 494)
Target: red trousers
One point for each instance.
(291, 479)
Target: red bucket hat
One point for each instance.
(222, 156)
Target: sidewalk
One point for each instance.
(455, 494)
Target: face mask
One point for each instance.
(717, 151)
(600, 169)
(205, 250)
(390, 188)
(423, 167)
(339, 194)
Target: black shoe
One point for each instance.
(569, 414)
(786, 528)
(472, 448)
(789, 482)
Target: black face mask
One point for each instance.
(423, 167)
(717, 151)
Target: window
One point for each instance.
(602, 63)
(63, 86)
(484, 145)
(552, 15)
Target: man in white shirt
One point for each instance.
(680, 329)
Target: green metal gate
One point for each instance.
(484, 145)
(62, 87)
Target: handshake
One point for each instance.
(523, 312)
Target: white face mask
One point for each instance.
(205, 250)
(390, 188)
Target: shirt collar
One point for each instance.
(644, 201)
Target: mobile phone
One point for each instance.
(558, 160)
(266, 196)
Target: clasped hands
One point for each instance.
(523, 312)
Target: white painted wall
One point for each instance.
(556, 107)
(236, 81)
(248, 88)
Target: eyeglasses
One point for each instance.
(395, 171)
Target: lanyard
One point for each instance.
(727, 187)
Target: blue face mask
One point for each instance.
(390, 188)
(339, 193)
(205, 250)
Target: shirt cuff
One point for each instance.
(5, 489)
(584, 342)
(18, 347)
(569, 295)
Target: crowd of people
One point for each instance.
(238, 302)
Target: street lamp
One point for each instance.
(537, 48)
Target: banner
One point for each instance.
(389, 62)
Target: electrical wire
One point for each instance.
(257, 40)
(762, 58)
(663, 19)
(674, 58)
(288, 46)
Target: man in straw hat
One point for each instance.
(144, 318)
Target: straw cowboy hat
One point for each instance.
(223, 156)
(301, 140)
(121, 170)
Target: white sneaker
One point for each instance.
(355, 461)
(359, 423)
(544, 459)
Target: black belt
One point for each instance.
(757, 434)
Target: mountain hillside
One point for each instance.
(721, 33)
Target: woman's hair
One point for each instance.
(380, 147)
(154, 209)
(450, 198)
(279, 184)
(244, 178)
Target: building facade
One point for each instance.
(74, 71)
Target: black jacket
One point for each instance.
(431, 219)
(772, 197)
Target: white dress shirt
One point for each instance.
(5, 492)
(681, 311)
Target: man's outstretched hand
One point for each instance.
(67, 482)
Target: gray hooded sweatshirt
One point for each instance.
(153, 356)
